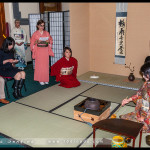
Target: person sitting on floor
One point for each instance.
(65, 70)
(7, 66)
(147, 59)
(2, 93)
(142, 98)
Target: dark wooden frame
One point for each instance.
(2, 23)
(124, 127)
(49, 7)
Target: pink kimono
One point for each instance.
(41, 56)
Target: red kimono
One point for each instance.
(59, 69)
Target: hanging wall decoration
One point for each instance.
(121, 22)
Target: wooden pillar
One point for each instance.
(2, 23)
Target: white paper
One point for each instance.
(94, 77)
(43, 38)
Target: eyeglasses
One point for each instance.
(42, 25)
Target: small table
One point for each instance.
(119, 126)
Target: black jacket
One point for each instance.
(5, 56)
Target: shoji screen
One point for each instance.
(67, 28)
(56, 31)
(33, 19)
(59, 28)
(58, 25)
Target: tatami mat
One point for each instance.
(53, 96)
(39, 128)
(124, 110)
(68, 109)
(112, 94)
(106, 137)
(111, 80)
(101, 135)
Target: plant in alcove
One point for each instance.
(131, 76)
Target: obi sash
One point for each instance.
(42, 44)
(66, 71)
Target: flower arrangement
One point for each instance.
(132, 70)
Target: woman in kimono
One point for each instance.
(41, 47)
(65, 70)
(142, 100)
(19, 35)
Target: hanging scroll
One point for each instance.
(121, 21)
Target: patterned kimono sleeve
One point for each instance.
(146, 114)
(134, 98)
(138, 94)
(138, 109)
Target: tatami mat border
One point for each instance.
(32, 107)
(82, 121)
(109, 85)
(12, 139)
(85, 139)
(58, 105)
(71, 99)
(51, 111)
(69, 117)
(97, 129)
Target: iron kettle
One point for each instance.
(92, 104)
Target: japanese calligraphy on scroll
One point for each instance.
(120, 38)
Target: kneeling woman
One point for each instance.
(142, 100)
(65, 70)
(7, 66)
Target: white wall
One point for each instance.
(65, 6)
(25, 9)
(9, 14)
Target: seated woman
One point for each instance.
(142, 98)
(7, 66)
(65, 70)
(2, 92)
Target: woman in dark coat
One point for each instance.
(7, 66)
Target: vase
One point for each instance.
(131, 77)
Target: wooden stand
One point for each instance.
(91, 118)
(120, 126)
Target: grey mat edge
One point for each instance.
(112, 85)
(67, 118)
(51, 110)
(35, 92)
